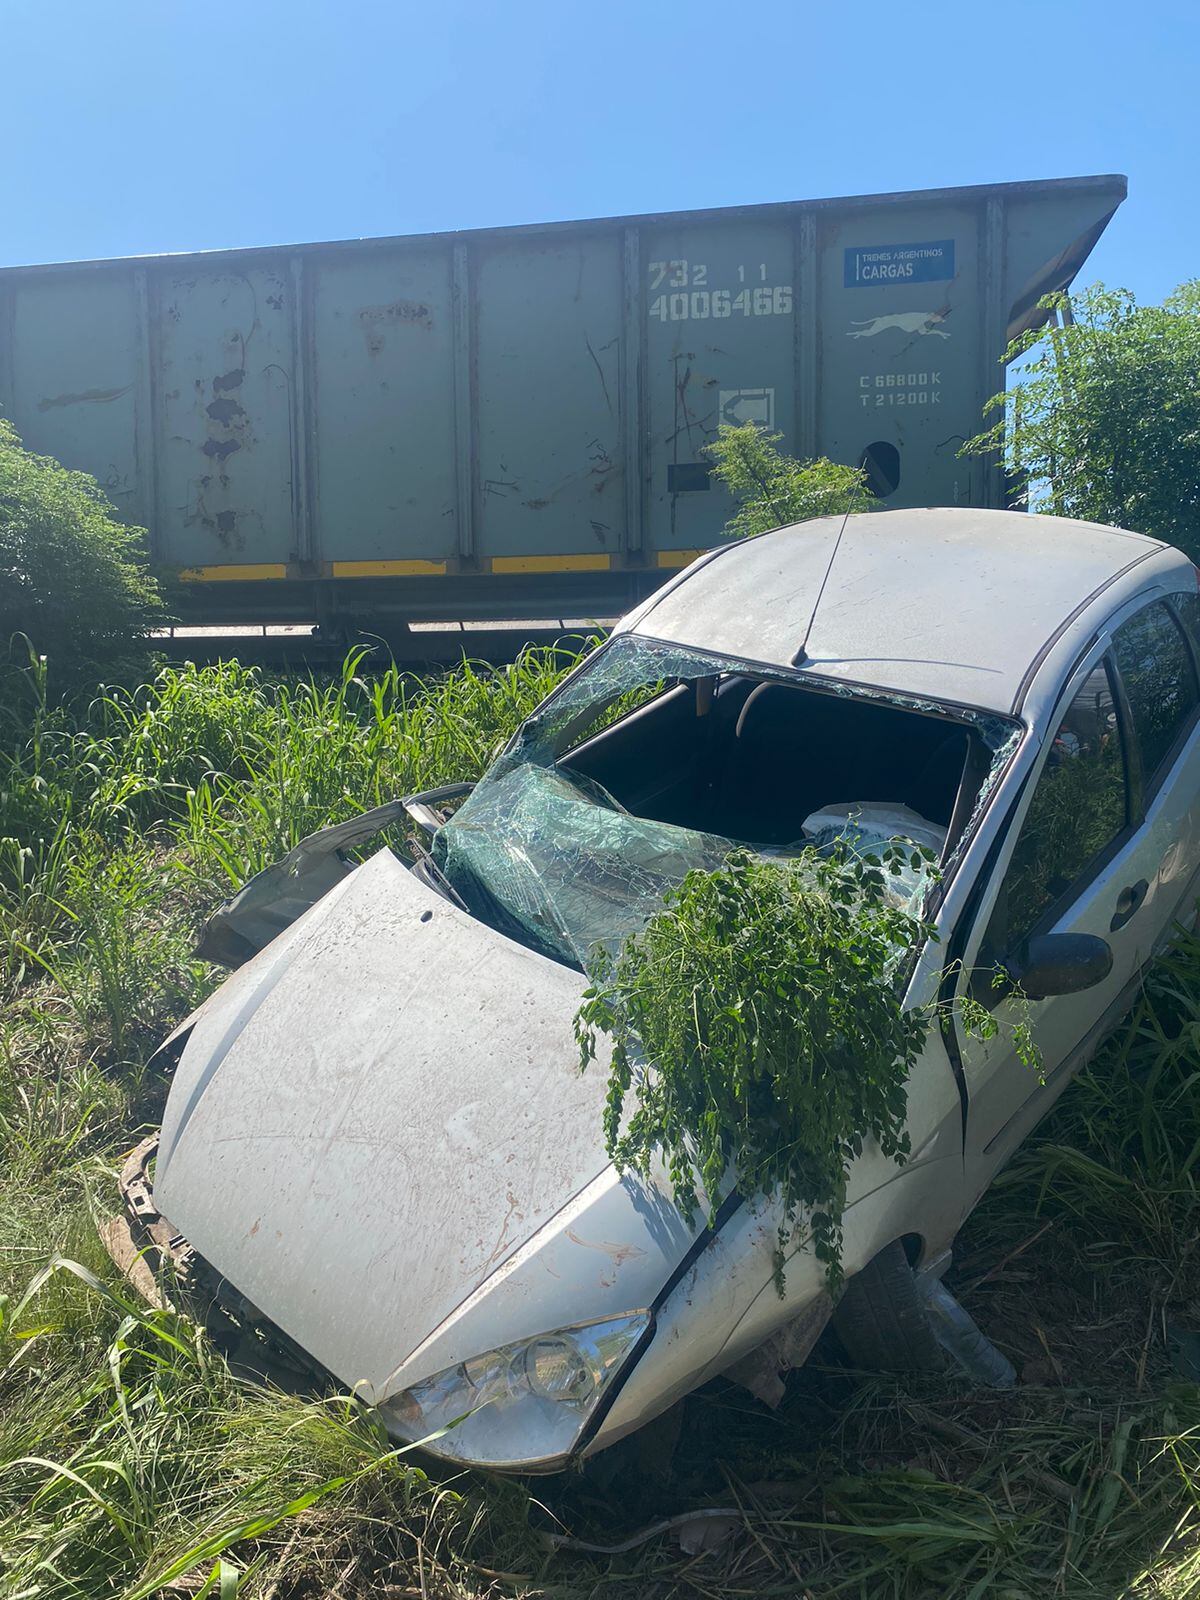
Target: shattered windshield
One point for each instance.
(653, 760)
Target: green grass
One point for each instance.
(132, 1464)
(128, 1457)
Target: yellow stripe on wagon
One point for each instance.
(388, 569)
(678, 558)
(250, 572)
(586, 563)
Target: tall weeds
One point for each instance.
(131, 1462)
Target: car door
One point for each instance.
(1083, 856)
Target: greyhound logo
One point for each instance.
(905, 321)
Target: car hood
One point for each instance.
(376, 1119)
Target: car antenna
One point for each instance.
(801, 655)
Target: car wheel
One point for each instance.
(881, 1321)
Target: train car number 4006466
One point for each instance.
(687, 296)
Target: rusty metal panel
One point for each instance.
(382, 333)
(225, 384)
(719, 307)
(424, 417)
(74, 373)
(547, 357)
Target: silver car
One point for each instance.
(378, 1143)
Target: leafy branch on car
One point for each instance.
(759, 1029)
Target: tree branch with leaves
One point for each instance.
(775, 490)
(1102, 421)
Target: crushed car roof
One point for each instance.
(949, 604)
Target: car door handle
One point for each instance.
(1129, 899)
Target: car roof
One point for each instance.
(949, 604)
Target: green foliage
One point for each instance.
(1119, 1165)
(129, 1458)
(120, 827)
(144, 1463)
(73, 579)
(774, 490)
(1104, 422)
(132, 1463)
(757, 1024)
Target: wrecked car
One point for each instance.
(378, 1145)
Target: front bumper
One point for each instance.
(169, 1274)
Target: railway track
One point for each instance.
(297, 646)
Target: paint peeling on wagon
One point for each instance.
(513, 421)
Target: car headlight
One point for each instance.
(523, 1403)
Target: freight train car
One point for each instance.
(512, 422)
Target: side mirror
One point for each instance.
(1063, 963)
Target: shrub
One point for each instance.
(1104, 422)
(774, 490)
(74, 586)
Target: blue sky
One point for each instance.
(147, 125)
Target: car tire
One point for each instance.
(881, 1321)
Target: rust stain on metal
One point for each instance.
(84, 397)
(616, 1253)
(225, 411)
(602, 465)
(600, 373)
(400, 313)
(220, 449)
(502, 1241)
(227, 426)
(228, 423)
